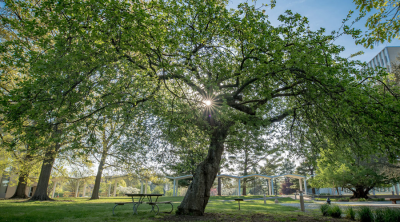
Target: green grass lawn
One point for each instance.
(83, 209)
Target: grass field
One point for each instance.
(83, 209)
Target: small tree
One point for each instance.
(352, 172)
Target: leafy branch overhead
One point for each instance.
(199, 69)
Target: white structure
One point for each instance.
(269, 178)
(7, 191)
(385, 57)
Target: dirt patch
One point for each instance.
(250, 217)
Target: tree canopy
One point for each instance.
(200, 67)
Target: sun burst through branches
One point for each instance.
(207, 102)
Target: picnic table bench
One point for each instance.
(153, 204)
(394, 200)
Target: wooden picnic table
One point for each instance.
(145, 199)
(142, 197)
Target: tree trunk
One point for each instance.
(219, 186)
(360, 192)
(198, 193)
(246, 155)
(20, 192)
(312, 173)
(21, 187)
(45, 173)
(96, 188)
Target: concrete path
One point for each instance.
(262, 198)
(366, 203)
(317, 204)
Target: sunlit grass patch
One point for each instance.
(84, 209)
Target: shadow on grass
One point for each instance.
(84, 209)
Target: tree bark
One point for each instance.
(360, 192)
(45, 173)
(96, 188)
(246, 155)
(21, 187)
(219, 185)
(312, 173)
(20, 192)
(198, 193)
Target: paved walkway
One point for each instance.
(317, 204)
(366, 203)
(262, 198)
(307, 206)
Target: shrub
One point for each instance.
(380, 215)
(365, 214)
(361, 200)
(335, 211)
(391, 214)
(350, 213)
(325, 209)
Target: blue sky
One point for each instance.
(328, 14)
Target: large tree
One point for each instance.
(195, 63)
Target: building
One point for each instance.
(8, 186)
(385, 58)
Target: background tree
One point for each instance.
(245, 151)
(306, 168)
(286, 167)
(356, 173)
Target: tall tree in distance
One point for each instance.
(245, 151)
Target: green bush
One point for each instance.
(365, 214)
(350, 213)
(380, 215)
(325, 209)
(169, 193)
(387, 215)
(361, 200)
(335, 211)
(158, 190)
